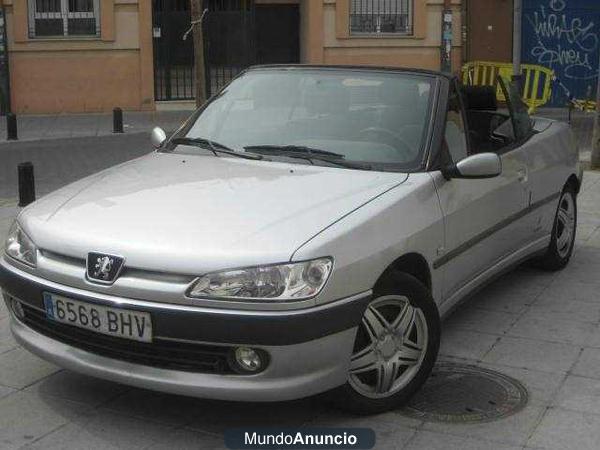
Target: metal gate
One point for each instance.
(229, 39)
(173, 57)
(563, 35)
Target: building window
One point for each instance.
(67, 18)
(381, 17)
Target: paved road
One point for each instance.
(543, 329)
(60, 161)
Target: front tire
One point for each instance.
(563, 232)
(396, 347)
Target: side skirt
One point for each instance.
(493, 273)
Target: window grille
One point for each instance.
(64, 18)
(381, 17)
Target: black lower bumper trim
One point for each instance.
(283, 328)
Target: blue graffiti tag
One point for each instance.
(568, 42)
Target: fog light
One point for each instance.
(248, 359)
(17, 308)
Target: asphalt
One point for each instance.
(541, 328)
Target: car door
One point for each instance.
(480, 215)
(549, 164)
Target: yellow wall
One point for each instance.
(87, 74)
(330, 42)
(116, 69)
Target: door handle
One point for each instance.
(522, 175)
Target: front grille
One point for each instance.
(163, 354)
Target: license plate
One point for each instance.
(135, 325)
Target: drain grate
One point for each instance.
(465, 394)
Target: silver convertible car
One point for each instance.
(304, 231)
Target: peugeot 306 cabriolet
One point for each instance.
(304, 231)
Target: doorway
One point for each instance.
(489, 24)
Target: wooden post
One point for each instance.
(199, 63)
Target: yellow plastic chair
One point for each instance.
(538, 80)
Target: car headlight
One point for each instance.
(293, 281)
(20, 247)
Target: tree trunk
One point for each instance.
(199, 63)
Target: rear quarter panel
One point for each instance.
(553, 158)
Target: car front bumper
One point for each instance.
(309, 349)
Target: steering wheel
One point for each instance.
(389, 137)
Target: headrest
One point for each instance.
(480, 98)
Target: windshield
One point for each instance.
(362, 116)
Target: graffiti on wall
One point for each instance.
(563, 35)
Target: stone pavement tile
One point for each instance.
(26, 417)
(584, 232)
(565, 308)
(5, 391)
(502, 302)
(389, 431)
(512, 430)
(3, 310)
(103, 430)
(567, 430)
(7, 342)
(337, 415)
(476, 319)
(78, 388)
(466, 344)
(19, 368)
(521, 281)
(588, 364)
(549, 326)
(156, 406)
(541, 386)
(594, 239)
(532, 354)
(581, 291)
(215, 417)
(429, 440)
(579, 394)
(182, 439)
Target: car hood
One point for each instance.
(195, 213)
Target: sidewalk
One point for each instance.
(32, 128)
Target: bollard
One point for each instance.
(117, 120)
(11, 127)
(26, 184)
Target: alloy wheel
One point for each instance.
(565, 225)
(390, 347)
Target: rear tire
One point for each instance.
(564, 229)
(396, 347)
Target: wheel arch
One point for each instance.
(413, 264)
(574, 181)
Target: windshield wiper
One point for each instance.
(213, 146)
(309, 154)
(275, 149)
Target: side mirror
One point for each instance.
(482, 165)
(158, 137)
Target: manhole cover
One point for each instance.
(463, 394)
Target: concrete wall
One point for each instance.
(55, 75)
